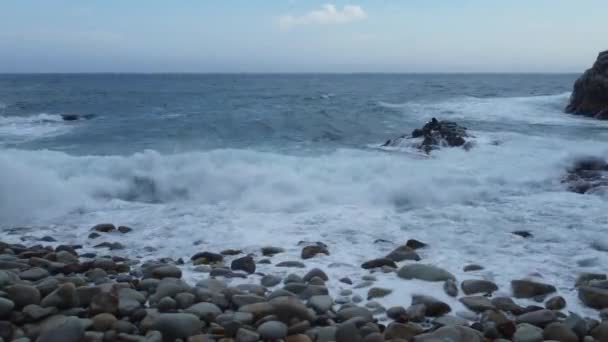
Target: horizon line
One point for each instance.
(293, 73)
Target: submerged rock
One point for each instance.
(590, 94)
(435, 134)
(588, 175)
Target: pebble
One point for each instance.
(453, 334)
(528, 333)
(415, 244)
(321, 303)
(245, 263)
(559, 332)
(23, 295)
(315, 272)
(103, 321)
(556, 303)
(474, 286)
(424, 272)
(166, 271)
(472, 268)
(312, 250)
(538, 318)
(294, 264)
(380, 262)
(528, 288)
(404, 331)
(177, 325)
(6, 306)
(272, 330)
(378, 292)
(450, 288)
(477, 303)
(593, 297)
(433, 306)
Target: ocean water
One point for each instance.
(208, 162)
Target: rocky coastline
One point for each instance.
(590, 93)
(51, 292)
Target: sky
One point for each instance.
(301, 35)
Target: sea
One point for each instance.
(196, 162)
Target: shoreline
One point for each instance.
(367, 307)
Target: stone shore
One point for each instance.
(50, 294)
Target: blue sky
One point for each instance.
(301, 36)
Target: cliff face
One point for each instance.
(590, 94)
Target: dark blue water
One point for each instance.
(182, 112)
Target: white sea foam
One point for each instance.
(25, 128)
(546, 109)
(464, 204)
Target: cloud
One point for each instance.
(328, 14)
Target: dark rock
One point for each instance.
(380, 262)
(348, 332)
(433, 135)
(272, 330)
(270, 280)
(587, 175)
(231, 252)
(508, 305)
(64, 329)
(111, 245)
(94, 235)
(351, 312)
(207, 257)
(452, 334)
(450, 288)
(424, 272)
(600, 333)
(585, 278)
(315, 272)
(125, 229)
(538, 318)
(378, 292)
(104, 303)
(177, 325)
(104, 227)
(559, 332)
(103, 321)
(294, 264)
(433, 306)
(321, 303)
(556, 303)
(523, 233)
(166, 271)
(64, 297)
(593, 297)
(477, 303)
(528, 288)
(34, 274)
(270, 251)
(415, 244)
(245, 263)
(472, 268)
(590, 94)
(6, 306)
(23, 295)
(312, 250)
(346, 280)
(528, 333)
(402, 331)
(403, 253)
(473, 286)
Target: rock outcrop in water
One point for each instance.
(76, 117)
(588, 175)
(435, 134)
(590, 94)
